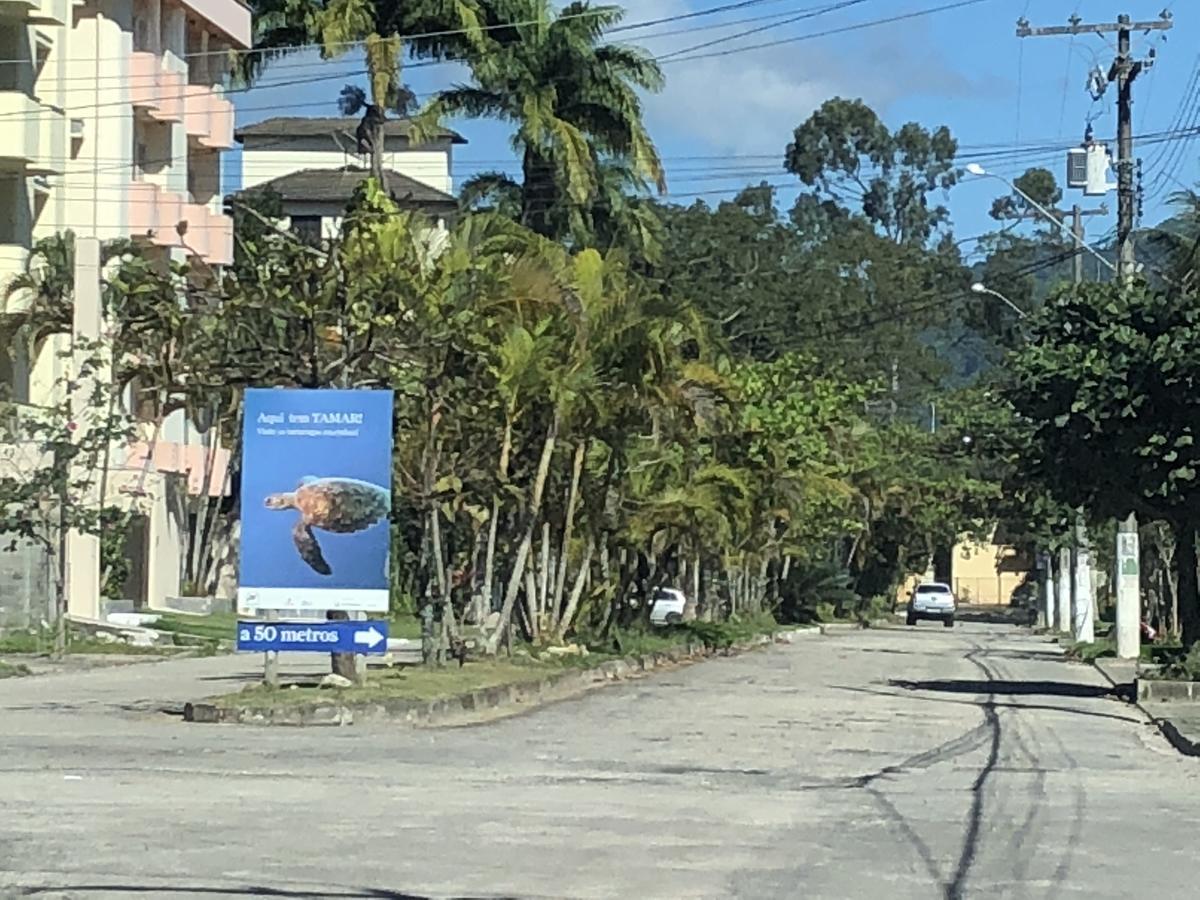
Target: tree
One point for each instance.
(572, 101)
(848, 156)
(1108, 383)
(380, 29)
(54, 463)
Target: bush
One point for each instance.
(1182, 668)
(816, 593)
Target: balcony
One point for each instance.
(20, 145)
(209, 234)
(52, 152)
(154, 214)
(229, 16)
(154, 88)
(220, 240)
(204, 467)
(38, 12)
(208, 117)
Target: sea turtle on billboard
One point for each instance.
(340, 505)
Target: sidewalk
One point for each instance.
(1179, 722)
(161, 685)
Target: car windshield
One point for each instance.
(933, 589)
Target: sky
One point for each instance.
(723, 122)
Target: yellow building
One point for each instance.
(980, 572)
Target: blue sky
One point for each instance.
(723, 122)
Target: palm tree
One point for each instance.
(618, 213)
(439, 29)
(39, 300)
(572, 100)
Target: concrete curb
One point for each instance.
(1156, 689)
(1166, 727)
(493, 702)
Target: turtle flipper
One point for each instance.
(310, 550)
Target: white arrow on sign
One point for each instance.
(370, 637)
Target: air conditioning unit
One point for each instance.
(1077, 167)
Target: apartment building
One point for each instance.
(115, 117)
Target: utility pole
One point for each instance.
(1123, 72)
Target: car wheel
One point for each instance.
(673, 618)
(948, 623)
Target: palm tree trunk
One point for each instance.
(544, 577)
(514, 581)
(489, 567)
(531, 602)
(568, 531)
(538, 192)
(568, 616)
(1187, 593)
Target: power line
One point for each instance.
(961, 4)
(804, 37)
(805, 14)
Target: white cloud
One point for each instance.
(749, 103)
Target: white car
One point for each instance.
(932, 600)
(667, 608)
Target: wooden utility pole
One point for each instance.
(1123, 72)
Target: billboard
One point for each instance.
(316, 497)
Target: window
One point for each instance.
(307, 228)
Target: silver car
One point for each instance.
(932, 600)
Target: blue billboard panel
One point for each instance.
(368, 637)
(316, 498)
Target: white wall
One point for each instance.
(431, 167)
(98, 70)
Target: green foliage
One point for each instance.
(113, 527)
(576, 113)
(1110, 384)
(820, 592)
(843, 149)
(1182, 666)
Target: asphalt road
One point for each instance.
(892, 763)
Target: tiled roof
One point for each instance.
(317, 126)
(338, 185)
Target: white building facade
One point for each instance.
(115, 115)
(313, 165)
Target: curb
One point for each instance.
(506, 699)
(1166, 727)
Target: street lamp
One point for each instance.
(979, 171)
(980, 288)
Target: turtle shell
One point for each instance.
(342, 505)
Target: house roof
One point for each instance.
(338, 186)
(319, 126)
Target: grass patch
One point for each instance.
(42, 642)
(1100, 648)
(409, 683)
(418, 683)
(212, 627)
(13, 670)
(1106, 647)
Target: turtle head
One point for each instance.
(280, 501)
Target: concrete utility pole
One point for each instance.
(1063, 593)
(1123, 71)
(1083, 623)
